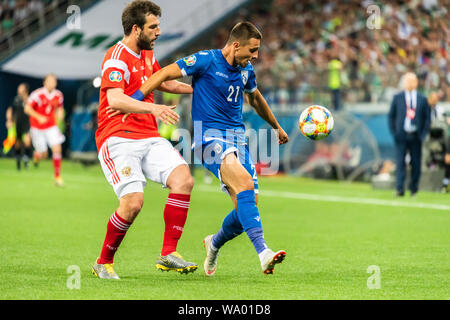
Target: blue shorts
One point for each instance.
(212, 151)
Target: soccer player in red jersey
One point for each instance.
(45, 108)
(130, 147)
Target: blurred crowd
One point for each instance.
(355, 49)
(374, 43)
(13, 12)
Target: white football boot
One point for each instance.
(269, 259)
(210, 264)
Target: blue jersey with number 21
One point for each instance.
(218, 89)
(217, 104)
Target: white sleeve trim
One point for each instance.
(183, 72)
(251, 90)
(119, 64)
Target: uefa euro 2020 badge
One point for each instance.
(115, 76)
(190, 61)
(126, 172)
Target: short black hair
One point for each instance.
(135, 14)
(244, 31)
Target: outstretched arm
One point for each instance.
(258, 102)
(178, 87)
(171, 72)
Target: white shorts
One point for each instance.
(44, 138)
(127, 163)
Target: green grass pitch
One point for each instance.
(332, 233)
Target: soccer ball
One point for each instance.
(316, 122)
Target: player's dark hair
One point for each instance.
(244, 31)
(135, 14)
(26, 85)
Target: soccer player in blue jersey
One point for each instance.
(220, 79)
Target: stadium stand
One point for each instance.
(22, 21)
(300, 38)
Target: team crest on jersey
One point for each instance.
(126, 172)
(190, 61)
(115, 76)
(244, 75)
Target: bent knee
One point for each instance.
(245, 182)
(131, 205)
(181, 183)
(135, 206)
(188, 184)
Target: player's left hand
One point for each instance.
(112, 113)
(282, 136)
(125, 117)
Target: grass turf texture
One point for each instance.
(329, 245)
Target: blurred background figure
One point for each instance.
(45, 108)
(409, 122)
(437, 112)
(17, 118)
(334, 82)
(438, 144)
(169, 131)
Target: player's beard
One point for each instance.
(240, 62)
(144, 43)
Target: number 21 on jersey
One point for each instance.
(231, 91)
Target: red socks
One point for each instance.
(57, 164)
(175, 214)
(115, 232)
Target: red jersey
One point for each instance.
(123, 68)
(45, 103)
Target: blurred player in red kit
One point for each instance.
(45, 108)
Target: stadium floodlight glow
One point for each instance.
(97, 82)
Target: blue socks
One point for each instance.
(256, 236)
(246, 218)
(231, 228)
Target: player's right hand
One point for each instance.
(165, 113)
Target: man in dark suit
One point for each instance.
(409, 123)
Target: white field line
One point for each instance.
(331, 198)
